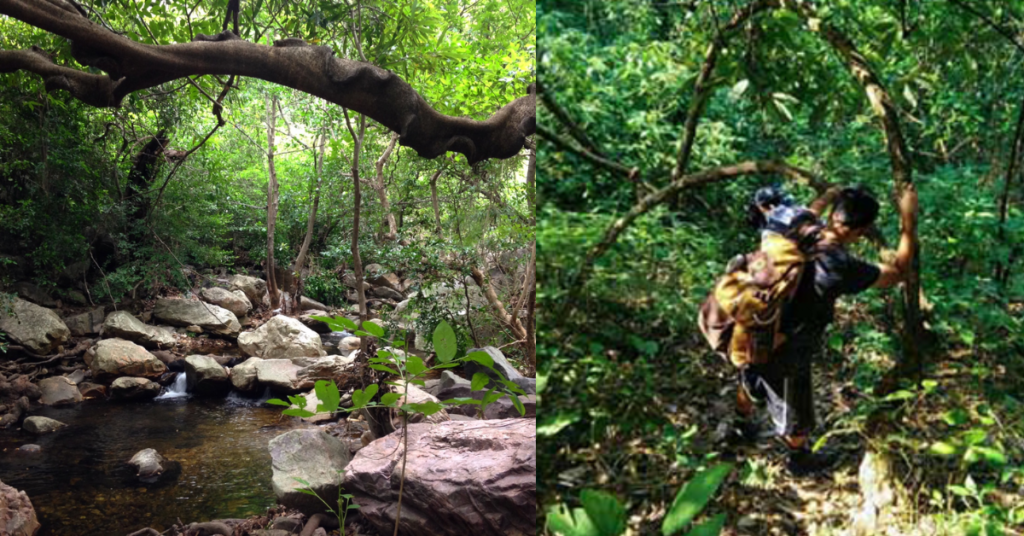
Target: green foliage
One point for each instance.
(603, 515)
(344, 504)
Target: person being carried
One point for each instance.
(783, 383)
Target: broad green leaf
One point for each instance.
(955, 417)
(565, 522)
(361, 398)
(444, 342)
(552, 425)
(347, 323)
(480, 380)
(278, 402)
(518, 404)
(296, 412)
(389, 399)
(542, 381)
(692, 498)
(427, 408)
(373, 329)
(605, 511)
(481, 357)
(711, 527)
(327, 393)
(415, 365)
(383, 368)
(460, 401)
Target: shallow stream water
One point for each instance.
(80, 485)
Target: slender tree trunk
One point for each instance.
(1003, 271)
(381, 189)
(300, 260)
(530, 290)
(531, 185)
(511, 320)
(433, 200)
(272, 290)
(358, 144)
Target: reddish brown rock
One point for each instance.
(467, 479)
(17, 517)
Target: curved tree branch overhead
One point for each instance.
(362, 87)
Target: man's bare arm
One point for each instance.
(894, 272)
(824, 200)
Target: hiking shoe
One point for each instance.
(803, 462)
(743, 432)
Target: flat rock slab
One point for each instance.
(59, 391)
(37, 328)
(112, 358)
(122, 325)
(211, 318)
(205, 376)
(461, 478)
(253, 287)
(128, 388)
(235, 301)
(281, 375)
(244, 376)
(313, 456)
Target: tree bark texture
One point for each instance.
(272, 198)
(433, 200)
(361, 87)
(381, 188)
(358, 268)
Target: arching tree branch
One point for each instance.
(362, 87)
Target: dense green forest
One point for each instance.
(659, 120)
(344, 190)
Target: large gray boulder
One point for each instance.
(253, 287)
(326, 368)
(37, 328)
(59, 391)
(500, 364)
(244, 375)
(468, 479)
(388, 293)
(123, 325)
(281, 337)
(128, 388)
(313, 456)
(17, 516)
(281, 375)
(34, 294)
(112, 358)
(387, 280)
(41, 425)
(205, 376)
(503, 408)
(212, 318)
(235, 301)
(309, 304)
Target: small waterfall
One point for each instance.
(176, 389)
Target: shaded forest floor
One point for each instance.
(971, 404)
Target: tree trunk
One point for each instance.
(382, 190)
(272, 290)
(358, 144)
(300, 260)
(1003, 271)
(433, 200)
(531, 185)
(511, 320)
(530, 289)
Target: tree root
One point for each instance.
(319, 520)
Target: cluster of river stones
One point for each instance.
(465, 473)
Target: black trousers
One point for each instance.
(784, 385)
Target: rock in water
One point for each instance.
(111, 358)
(122, 324)
(37, 328)
(205, 376)
(281, 375)
(281, 337)
(41, 425)
(59, 391)
(128, 388)
(244, 375)
(17, 517)
(313, 456)
(468, 479)
(253, 287)
(500, 364)
(211, 318)
(148, 463)
(235, 301)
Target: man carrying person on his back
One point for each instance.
(784, 382)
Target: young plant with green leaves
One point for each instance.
(603, 515)
(345, 501)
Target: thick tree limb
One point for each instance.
(563, 117)
(615, 167)
(364, 88)
(611, 235)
